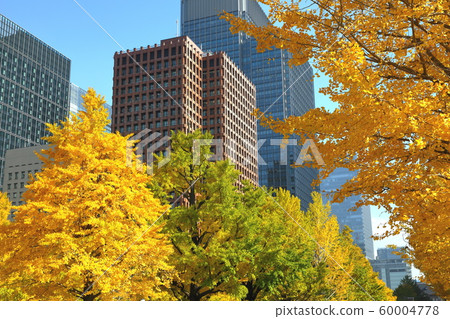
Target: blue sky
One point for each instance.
(65, 26)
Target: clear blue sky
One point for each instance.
(134, 23)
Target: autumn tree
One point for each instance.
(5, 209)
(388, 64)
(337, 269)
(280, 254)
(208, 227)
(230, 242)
(87, 230)
(252, 243)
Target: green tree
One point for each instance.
(281, 252)
(208, 228)
(408, 289)
(338, 270)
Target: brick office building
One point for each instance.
(175, 86)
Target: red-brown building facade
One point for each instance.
(175, 86)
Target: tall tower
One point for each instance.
(280, 90)
(34, 88)
(360, 220)
(178, 87)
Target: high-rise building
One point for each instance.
(280, 90)
(391, 268)
(176, 86)
(34, 88)
(20, 163)
(76, 102)
(360, 220)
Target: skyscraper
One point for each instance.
(359, 221)
(34, 88)
(280, 90)
(391, 268)
(178, 87)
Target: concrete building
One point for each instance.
(178, 87)
(76, 102)
(359, 221)
(20, 163)
(34, 88)
(280, 90)
(391, 268)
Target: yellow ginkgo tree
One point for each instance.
(388, 64)
(86, 231)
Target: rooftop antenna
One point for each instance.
(178, 34)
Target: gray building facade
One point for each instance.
(360, 221)
(391, 268)
(280, 90)
(34, 88)
(20, 163)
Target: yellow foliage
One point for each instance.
(5, 209)
(86, 230)
(389, 69)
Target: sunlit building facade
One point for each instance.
(280, 90)
(34, 88)
(359, 220)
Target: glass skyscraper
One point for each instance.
(360, 220)
(279, 91)
(34, 88)
(391, 268)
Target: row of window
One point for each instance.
(138, 57)
(15, 185)
(23, 175)
(151, 77)
(147, 67)
(150, 125)
(28, 45)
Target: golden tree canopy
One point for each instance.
(389, 68)
(86, 230)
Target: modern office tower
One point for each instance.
(34, 88)
(19, 164)
(76, 102)
(359, 221)
(391, 268)
(176, 86)
(280, 90)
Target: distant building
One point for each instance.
(282, 91)
(428, 291)
(359, 221)
(391, 268)
(76, 102)
(34, 88)
(178, 87)
(20, 163)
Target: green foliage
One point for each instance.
(408, 289)
(252, 243)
